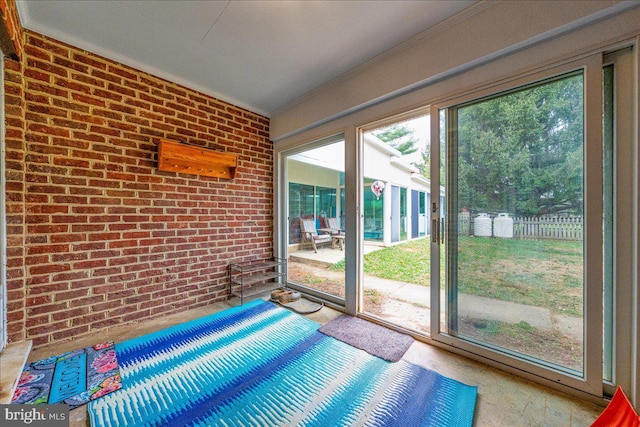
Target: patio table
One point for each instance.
(337, 237)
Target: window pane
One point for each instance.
(373, 210)
(327, 202)
(396, 187)
(316, 220)
(519, 216)
(301, 205)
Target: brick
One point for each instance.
(108, 322)
(38, 75)
(74, 86)
(87, 283)
(107, 94)
(106, 76)
(47, 328)
(89, 136)
(35, 86)
(92, 318)
(91, 81)
(91, 100)
(37, 341)
(37, 320)
(121, 90)
(71, 295)
(127, 74)
(87, 301)
(46, 308)
(68, 314)
(49, 130)
(38, 300)
(70, 333)
(89, 60)
(63, 62)
(89, 264)
(48, 269)
(34, 230)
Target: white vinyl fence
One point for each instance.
(552, 228)
(558, 228)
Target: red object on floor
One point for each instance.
(618, 413)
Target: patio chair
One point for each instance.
(336, 232)
(310, 235)
(334, 224)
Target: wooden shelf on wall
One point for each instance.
(177, 157)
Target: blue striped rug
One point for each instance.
(261, 365)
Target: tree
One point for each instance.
(522, 152)
(399, 137)
(425, 165)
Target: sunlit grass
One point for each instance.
(542, 273)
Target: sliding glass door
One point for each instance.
(523, 234)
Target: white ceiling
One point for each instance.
(260, 55)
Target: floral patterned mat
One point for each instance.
(74, 378)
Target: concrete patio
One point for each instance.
(326, 256)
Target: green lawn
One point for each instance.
(541, 273)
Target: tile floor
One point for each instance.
(503, 399)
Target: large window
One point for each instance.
(507, 239)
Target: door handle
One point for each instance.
(435, 231)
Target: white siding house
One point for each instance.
(400, 213)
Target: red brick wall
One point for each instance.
(98, 236)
